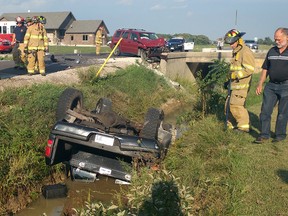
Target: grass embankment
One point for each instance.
(27, 114)
(208, 171)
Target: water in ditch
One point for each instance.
(78, 193)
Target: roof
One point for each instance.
(87, 26)
(54, 19)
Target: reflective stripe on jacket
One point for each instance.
(36, 37)
(99, 37)
(242, 67)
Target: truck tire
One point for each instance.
(69, 99)
(152, 122)
(103, 105)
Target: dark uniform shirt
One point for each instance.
(20, 33)
(277, 65)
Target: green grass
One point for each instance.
(80, 49)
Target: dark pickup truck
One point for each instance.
(101, 141)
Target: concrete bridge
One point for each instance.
(184, 65)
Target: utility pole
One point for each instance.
(236, 19)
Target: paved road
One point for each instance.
(64, 62)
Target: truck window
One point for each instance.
(125, 35)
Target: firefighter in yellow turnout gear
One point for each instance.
(241, 69)
(36, 43)
(98, 40)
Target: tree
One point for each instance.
(266, 41)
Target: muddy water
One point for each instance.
(78, 192)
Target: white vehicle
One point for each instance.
(188, 46)
(7, 27)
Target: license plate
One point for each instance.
(104, 171)
(104, 140)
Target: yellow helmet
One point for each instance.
(232, 36)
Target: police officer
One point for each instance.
(241, 68)
(98, 40)
(18, 49)
(36, 43)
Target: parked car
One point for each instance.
(188, 46)
(138, 42)
(176, 44)
(252, 44)
(6, 43)
(101, 142)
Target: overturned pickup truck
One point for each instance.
(102, 142)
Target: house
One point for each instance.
(83, 32)
(59, 24)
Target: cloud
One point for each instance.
(157, 7)
(189, 14)
(180, 7)
(180, 0)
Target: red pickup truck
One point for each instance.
(6, 43)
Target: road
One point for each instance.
(64, 62)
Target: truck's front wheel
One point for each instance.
(69, 99)
(152, 122)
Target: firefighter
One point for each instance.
(241, 69)
(18, 40)
(98, 40)
(36, 44)
(28, 21)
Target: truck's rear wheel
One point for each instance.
(69, 99)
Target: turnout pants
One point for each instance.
(238, 115)
(36, 60)
(98, 48)
(19, 55)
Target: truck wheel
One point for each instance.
(152, 122)
(117, 52)
(69, 99)
(103, 105)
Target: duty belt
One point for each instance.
(281, 82)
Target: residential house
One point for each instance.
(83, 32)
(59, 24)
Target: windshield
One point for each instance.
(250, 41)
(176, 40)
(148, 35)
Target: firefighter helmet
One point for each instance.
(20, 19)
(232, 36)
(35, 19)
(42, 20)
(28, 19)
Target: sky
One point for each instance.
(212, 18)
